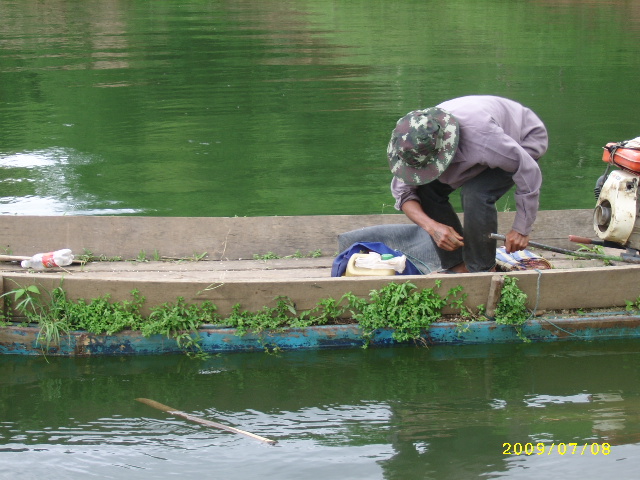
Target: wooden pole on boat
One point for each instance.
(202, 421)
(19, 258)
(13, 258)
(574, 253)
(495, 293)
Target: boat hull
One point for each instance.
(605, 326)
(231, 275)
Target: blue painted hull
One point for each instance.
(26, 340)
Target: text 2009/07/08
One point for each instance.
(572, 448)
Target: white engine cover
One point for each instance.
(615, 217)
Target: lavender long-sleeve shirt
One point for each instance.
(494, 133)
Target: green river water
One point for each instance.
(264, 107)
(397, 413)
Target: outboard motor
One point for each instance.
(616, 217)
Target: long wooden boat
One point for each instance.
(225, 261)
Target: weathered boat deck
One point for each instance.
(188, 270)
(283, 269)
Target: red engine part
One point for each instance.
(626, 158)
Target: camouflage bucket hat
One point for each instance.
(422, 145)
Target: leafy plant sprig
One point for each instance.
(512, 307)
(401, 307)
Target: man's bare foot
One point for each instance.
(460, 268)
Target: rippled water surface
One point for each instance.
(400, 413)
(247, 107)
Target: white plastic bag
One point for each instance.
(374, 261)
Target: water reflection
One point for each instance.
(264, 108)
(391, 413)
(500, 401)
(48, 187)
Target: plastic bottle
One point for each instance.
(40, 261)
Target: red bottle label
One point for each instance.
(47, 260)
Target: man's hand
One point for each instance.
(515, 241)
(446, 237)
(443, 235)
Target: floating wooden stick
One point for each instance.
(202, 421)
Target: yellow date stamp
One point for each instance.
(572, 448)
